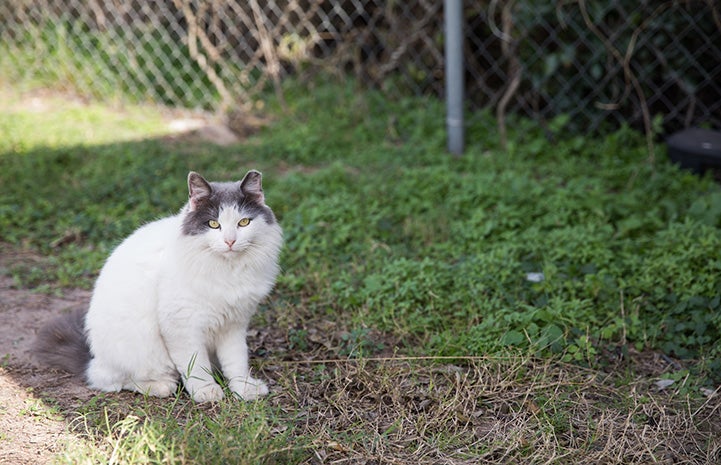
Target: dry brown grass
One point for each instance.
(490, 410)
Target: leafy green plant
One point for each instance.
(359, 342)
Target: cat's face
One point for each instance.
(228, 218)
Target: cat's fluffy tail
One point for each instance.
(62, 343)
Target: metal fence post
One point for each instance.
(453, 20)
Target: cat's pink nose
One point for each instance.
(230, 243)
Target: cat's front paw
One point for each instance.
(207, 393)
(155, 388)
(248, 388)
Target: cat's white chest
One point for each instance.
(211, 291)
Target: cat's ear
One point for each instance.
(252, 186)
(198, 190)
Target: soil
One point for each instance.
(30, 432)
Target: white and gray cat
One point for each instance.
(174, 299)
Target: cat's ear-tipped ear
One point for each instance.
(198, 190)
(252, 185)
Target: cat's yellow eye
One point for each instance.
(213, 224)
(244, 222)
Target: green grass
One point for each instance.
(137, 430)
(48, 121)
(391, 245)
(384, 227)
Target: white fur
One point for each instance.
(167, 305)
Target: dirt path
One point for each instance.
(31, 431)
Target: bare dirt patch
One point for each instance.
(30, 431)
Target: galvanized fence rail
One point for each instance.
(655, 65)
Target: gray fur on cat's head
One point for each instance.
(207, 198)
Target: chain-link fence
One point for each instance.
(652, 64)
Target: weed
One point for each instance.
(298, 339)
(359, 343)
(36, 408)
